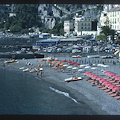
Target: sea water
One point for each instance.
(21, 93)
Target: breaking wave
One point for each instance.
(64, 93)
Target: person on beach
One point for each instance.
(41, 73)
(39, 65)
(3, 66)
(37, 74)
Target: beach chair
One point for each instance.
(110, 93)
(90, 80)
(99, 86)
(103, 88)
(107, 90)
(117, 97)
(113, 95)
(118, 85)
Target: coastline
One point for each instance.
(82, 90)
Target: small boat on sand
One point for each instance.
(26, 70)
(76, 56)
(73, 79)
(21, 68)
(11, 61)
(32, 70)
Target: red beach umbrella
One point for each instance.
(77, 64)
(56, 59)
(111, 86)
(69, 61)
(116, 89)
(105, 83)
(98, 78)
(72, 63)
(105, 71)
(64, 60)
(117, 77)
(102, 80)
(112, 74)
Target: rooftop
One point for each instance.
(114, 9)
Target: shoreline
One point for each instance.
(96, 98)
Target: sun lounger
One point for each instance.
(90, 80)
(110, 92)
(103, 88)
(107, 90)
(99, 86)
(113, 95)
(118, 85)
(117, 97)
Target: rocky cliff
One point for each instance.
(49, 12)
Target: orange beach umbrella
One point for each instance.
(53, 62)
(58, 63)
(62, 64)
(48, 61)
(41, 60)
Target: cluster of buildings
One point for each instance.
(85, 25)
(80, 25)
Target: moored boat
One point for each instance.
(73, 79)
(25, 70)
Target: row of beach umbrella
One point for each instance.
(103, 81)
(112, 75)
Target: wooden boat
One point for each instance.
(73, 79)
(10, 61)
(76, 56)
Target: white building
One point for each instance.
(114, 17)
(12, 14)
(68, 26)
(103, 18)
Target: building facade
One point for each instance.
(80, 25)
(114, 17)
(68, 26)
(83, 24)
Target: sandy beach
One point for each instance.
(97, 99)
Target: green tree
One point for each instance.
(100, 37)
(6, 25)
(106, 30)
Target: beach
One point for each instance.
(81, 90)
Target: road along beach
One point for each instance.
(97, 99)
